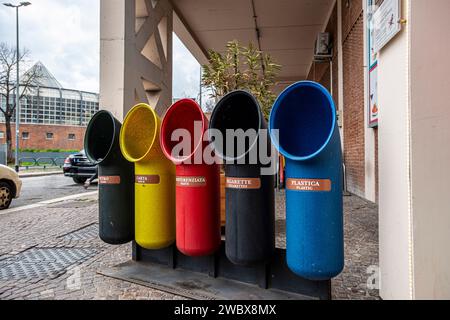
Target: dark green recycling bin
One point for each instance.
(250, 205)
(116, 179)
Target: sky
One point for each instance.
(64, 35)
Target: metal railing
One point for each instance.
(43, 162)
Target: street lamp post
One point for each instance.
(22, 4)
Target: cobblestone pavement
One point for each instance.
(53, 252)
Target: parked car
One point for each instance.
(79, 168)
(10, 186)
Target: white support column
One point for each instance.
(136, 54)
(430, 148)
(394, 166)
(415, 156)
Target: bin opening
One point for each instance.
(138, 133)
(182, 115)
(237, 110)
(305, 116)
(100, 136)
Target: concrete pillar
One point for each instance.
(394, 169)
(136, 54)
(430, 148)
(414, 156)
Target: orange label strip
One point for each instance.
(243, 183)
(191, 182)
(148, 179)
(315, 185)
(109, 180)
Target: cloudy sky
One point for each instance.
(64, 35)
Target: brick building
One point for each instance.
(348, 77)
(51, 116)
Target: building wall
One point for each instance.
(354, 91)
(360, 143)
(38, 133)
(320, 72)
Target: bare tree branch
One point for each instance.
(8, 83)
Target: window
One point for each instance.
(25, 135)
(49, 136)
(2, 134)
(72, 136)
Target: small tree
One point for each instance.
(244, 68)
(8, 85)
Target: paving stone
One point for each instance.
(58, 227)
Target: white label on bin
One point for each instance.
(323, 185)
(191, 181)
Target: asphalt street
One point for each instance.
(37, 189)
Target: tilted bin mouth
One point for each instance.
(139, 132)
(183, 115)
(100, 136)
(237, 110)
(305, 116)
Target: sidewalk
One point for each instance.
(39, 173)
(53, 252)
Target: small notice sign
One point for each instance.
(191, 182)
(323, 185)
(386, 23)
(109, 180)
(243, 183)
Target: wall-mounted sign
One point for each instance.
(373, 96)
(386, 23)
(372, 60)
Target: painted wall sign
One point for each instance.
(109, 180)
(243, 183)
(323, 185)
(191, 181)
(386, 23)
(148, 179)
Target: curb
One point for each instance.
(49, 202)
(40, 174)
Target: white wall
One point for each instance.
(430, 147)
(414, 90)
(394, 151)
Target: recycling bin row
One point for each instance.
(157, 187)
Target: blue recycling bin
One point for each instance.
(304, 129)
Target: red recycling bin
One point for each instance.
(198, 181)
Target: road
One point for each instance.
(37, 189)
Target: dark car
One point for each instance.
(79, 168)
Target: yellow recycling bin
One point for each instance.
(155, 178)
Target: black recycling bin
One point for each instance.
(250, 230)
(116, 179)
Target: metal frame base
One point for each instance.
(272, 276)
